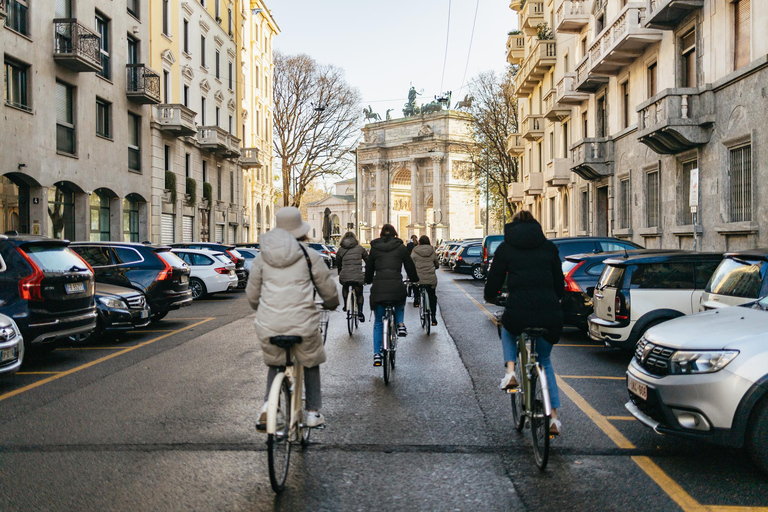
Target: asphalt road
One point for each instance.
(163, 420)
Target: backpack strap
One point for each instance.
(309, 265)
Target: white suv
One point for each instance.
(635, 293)
(209, 271)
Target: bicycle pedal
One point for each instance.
(512, 391)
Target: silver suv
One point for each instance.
(705, 377)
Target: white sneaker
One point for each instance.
(508, 382)
(315, 419)
(261, 425)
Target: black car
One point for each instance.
(490, 244)
(581, 273)
(46, 288)
(567, 246)
(469, 260)
(152, 269)
(119, 309)
(229, 250)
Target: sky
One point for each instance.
(385, 46)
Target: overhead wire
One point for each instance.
(469, 52)
(447, 37)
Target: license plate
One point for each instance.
(144, 314)
(637, 387)
(74, 287)
(7, 355)
(184, 278)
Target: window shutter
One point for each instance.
(742, 23)
(63, 104)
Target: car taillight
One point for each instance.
(29, 286)
(570, 284)
(621, 309)
(166, 273)
(485, 254)
(221, 270)
(459, 258)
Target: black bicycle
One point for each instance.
(389, 341)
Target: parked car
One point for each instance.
(636, 293)
(228, 249)
(567, 246)
(581, 273)
(209, 271)
(490, 243)
(443, 253)
(249, 255)
(323, 251)
(248, 245)
(450, 250)
(704, 377)
(46, 288)
(11, 346)
(469, 261)
(118, 309)
(740, 278)
(151, 269)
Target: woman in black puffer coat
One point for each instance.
(532, 267)
(384, 269)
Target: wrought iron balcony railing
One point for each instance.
(76, 46)
(143, 84)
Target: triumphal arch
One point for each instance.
(415, 174)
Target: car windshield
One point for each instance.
(54, 258)
(736, 277)
(236, 253)
(172, 259)
(493, 245)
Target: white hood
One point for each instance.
(279, 248)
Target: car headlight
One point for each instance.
(113, 303)
(685, 362)
(7, 332)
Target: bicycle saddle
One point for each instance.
(285, 341)
(535, 332)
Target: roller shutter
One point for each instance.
(168, 231)
(187, 233)
(219, 234)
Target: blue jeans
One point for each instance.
(378, 324)
(544, 350)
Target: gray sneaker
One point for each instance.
(315, 419)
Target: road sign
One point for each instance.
(693, 197)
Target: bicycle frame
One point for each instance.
(387, 321)
(528, 360)
(295, 376)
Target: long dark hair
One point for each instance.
(388, 230)
(424, 240)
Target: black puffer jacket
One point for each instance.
(384, 267)
(534, 279)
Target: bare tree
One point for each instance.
(494, 109)
(316, 122)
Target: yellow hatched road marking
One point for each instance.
(621, 418)
(97, 361)
(671, 487)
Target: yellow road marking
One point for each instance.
(573, 345)
(592, 377)
(621, 418)
(97, 361)
(477, 303)
(67, 349)
(140, 331)
(669, 486)
(37, 373)
(734, 508)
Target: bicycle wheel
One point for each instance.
(427, 313)
(392, 343)
(279, 443)
(518, 399)
(539, 423)
(304, 431)
(350, 321)
(422, 316)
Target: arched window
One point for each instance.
(99, 216)
(131, 218)
(61, 211)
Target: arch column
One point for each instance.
(437, 203)
(381, 193)
(415, 202)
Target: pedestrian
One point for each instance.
(531, 265)
(413, 242)
(425, 259)
(384, 270)
(281, 288)
(349, 259)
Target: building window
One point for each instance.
(601, 127)
(167, 86)
(99, 217)
(205, 171)
(103, 118)
(186, 36)
(166, 17)
(584, 210)
(229, 22)
(230, 124)
(741, 33)
(202, 111)
(218, 182)
(218, 65)
(133, 50)
(218, 116)
(185, 97)
(688, 59)
(65, 118)
(566, 212)
(231, 187)
(565, 139)
(187, 164)
(16, 85)
(134, 142)
(741, 183)
(258, 123)
(217, 11)
(102, 27)
(256, 78)
(625, 105)
(684, 209)
(61, 211)
(551, 145)
(584, 124)
(624, 204)
(552, 213)
(202, 51)
(651, 78)
(167, 157)
(133, 7)
(18, 16)
(652, 203)
(130, 219)
(231, 77)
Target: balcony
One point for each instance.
(143, 84)
(213, 139)
(533, 184)
(533, 127)
(516, 5)
(175, 118)
(586, 81)
(531, 15)
(567, 93)
(558, 172)
(572, 16)
(542, 57)
(676, 120)
(233, 147)
(75, 46)
(620, 43)
(553, 110)
(666, 14)
(591, 158)
(515, 192)
(250, 158)
(515, 144)
(515, 48)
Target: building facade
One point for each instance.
(414, 174)
(623, 104)
(341, 213)
(74, 138)
(255, 104)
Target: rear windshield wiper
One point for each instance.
(75, 268)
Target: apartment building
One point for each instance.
(623, 104)
(196, 185)
(255, 103)
(74, 144)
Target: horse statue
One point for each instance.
(389, 116)
(370, 114)
(465, 103)
(432, 106)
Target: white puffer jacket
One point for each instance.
(280, 290)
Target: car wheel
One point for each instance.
(156, 317)
(197, 287)
(477, 273)
(757, 435)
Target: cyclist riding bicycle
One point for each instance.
(425, 259)
(535, 284)
(349, 260)
(383, 269)
(280, 288)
